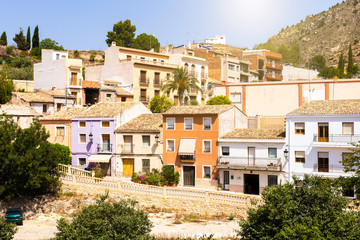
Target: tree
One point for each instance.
(123, 34)
(219, 100)
(28, 37)
(284, 51)
(20, 41)
(3, 39)
(65, 157)
(146, 42)
(35, 38)
(7, 230)
(6, 87)
(311, 209)
(350, 63)
(351, 163)
(160, 104)
(318, 62)
(329, 72)
(48, 43)
(182, 83)
(103, 220)
(18, 68)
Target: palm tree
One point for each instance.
(182, 82)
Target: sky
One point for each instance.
(83, 25)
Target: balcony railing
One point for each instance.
(144, 99)
(250, 163)
(331, 168)
(274, 77)
(192, 73)
(158, 82)
(75, 82)
(274, 66)
(127, 148)
(341, 138)
(144, 81)
(104, 147)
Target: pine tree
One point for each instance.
(28, 37)
(341, 66)
(3, 39)
(20, 41)
(350, 63)
(35, 38)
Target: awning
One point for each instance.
(100, 158)
(187, 146)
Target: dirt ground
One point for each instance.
(44, 227)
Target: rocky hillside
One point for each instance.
(328, 33)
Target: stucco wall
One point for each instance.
(51, 129)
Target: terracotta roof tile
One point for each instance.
(90, 84)
(64, 114)
(255, 134)
(119, 91)
(105, 110)
(329, 107)
(18, 110)
(33, 97)
(201, 109)
(151, 122)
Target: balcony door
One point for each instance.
(323, 162)
(128, 146)
(323, 131)
(74, 79)
(251, 156)
(105, 143)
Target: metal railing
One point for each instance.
(144, 80)
(274, 66)
(158, 82)
(343, 138)
(144, 99)
(331, 168)
(75, 82)
(228, 161)
(107, 147)
(127, 148)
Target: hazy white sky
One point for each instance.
(84, 24)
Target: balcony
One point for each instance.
(187, 158)
(104, 148)
(242, 163)
(158, 83)
(75, 82)
(127, 148)
(144, 81)
(192, 73)
(337, 138)
(204, 76)
(330, 168)
(274, 66)
(271, 77)
(144, 99)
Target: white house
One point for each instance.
(251, 159)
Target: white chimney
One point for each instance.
(113, 44)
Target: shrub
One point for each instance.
(98, 171)
(92, 58)
(169, 174)
(9, 49)
(194, 102)
(36, 53)
(76, 54)
(23, 55)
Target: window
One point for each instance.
(146, 140)
(231, 67)
(143, 76)
(82, 124)
(272, 180)
(157, 92)
(299, 128)
(348, 128)
(105, 124)
(45, 107)
(225, 151)
(238, 68)
(142, 58)
(82, 138)
(188, 123)
(123, 99)
(58, 107)
(206, 146)
(146, 165)
(106, 146)
(108, 96)
(300, 156)
(82, 161)
(272, 152)
(143, 95)
(170, 145)
(206, 171)
(128, 56)
(60, 131)
(157, 78)
(170, 123)
(207, 123)
(57, 56)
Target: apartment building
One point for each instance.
(190, 135)
(58, 71)
(267, 64)
(139, 72)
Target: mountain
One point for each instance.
(328, 33)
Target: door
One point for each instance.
(128, 146)
(106, 147)
(251, 156)
(128, 167)
(323, 130)
(226, 180)
(323, 162)
(251, 182)
(74, 81)
(189, 175)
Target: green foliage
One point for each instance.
(160, 104)
(123, 34)
(146, 42)
(98, 171)
(120, 220)
(268, 45)
(318, 62)
(3, 39)
(329, 72)
(48, 43)
(341, 66)
(65, 156)
(350, 64)
(9, 49)
(351, 163)
(28, 37)
(7, 230)
(35, 38)
(28, 162)
(182, 82)
(219, 100)
(313, 209)
(6, 87)
(194, 102)
(19, 68)
(35, 52)
(76, 54)
(20, 41)
(92, 58)
(169, 174)
(22, 55)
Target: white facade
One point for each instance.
(219, 39)
(291, 73)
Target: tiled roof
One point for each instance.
(201, 109)
(55, 93)
(105, 110)
(33, 97)
(151, 122)
(111, 82)
(255, 134)
(64, 114)
(18, 110)
(329, 107)
(90, 84)
(119, 91)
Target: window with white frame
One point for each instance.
(145, 165)
(348, 128)
(206, 171)
(188, 123)
(170, 123)
(60, 131)
(207, 123)
(207, 146)
(146, 140)
(300, 156)
(225, 151)
(272, 152)
(170, 145)
(82, 138)
(82, 161)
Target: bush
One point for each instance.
(7, 230)
(23, 55)
(36, 53)
(194, 102)
(92, 58)
(98, 171)
(169, 174)
(9, 49)
(219, 100)
(76, 54)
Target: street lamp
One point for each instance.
(286, 153)
(157, 139)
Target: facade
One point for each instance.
(251, 159)
(57, 71)
(93, 140)
(61, 99)
(291, 73)
(23, 115)
(43, 105)
(190, 135)
(137, 148)
(219, 39)
(319, 136)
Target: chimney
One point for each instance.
(151, 50)
(113, 44)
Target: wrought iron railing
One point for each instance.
(343, 138)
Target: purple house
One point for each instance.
(93, 140)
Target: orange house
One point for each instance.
(190, 135)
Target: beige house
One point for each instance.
(138, 149)
(59, 125)
(43, 105)
(23, 115)
(139, 72)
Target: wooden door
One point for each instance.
(128, 167)
(323, 162)
(189, 175)
(323, 131)
(251, 156)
